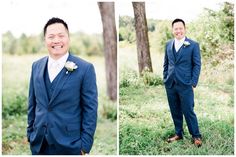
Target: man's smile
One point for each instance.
(57, 47)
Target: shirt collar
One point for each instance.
(180, 41)
(60, 61)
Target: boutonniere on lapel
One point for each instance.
(70, 66)
(186, 43)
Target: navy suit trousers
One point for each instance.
(50, 149)
(181, 103)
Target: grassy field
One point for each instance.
(145, 120)
(16, 73)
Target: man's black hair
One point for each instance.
(53, 21)
(178, 20)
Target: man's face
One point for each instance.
(57, 40)
(178, 30)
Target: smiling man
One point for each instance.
(62, 107)
(182, 65)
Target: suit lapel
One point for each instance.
(60, 83)
(172, 50)
(41, 79)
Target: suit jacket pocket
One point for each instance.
(33, 136)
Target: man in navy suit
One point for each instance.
(182, 65)
(62, 109)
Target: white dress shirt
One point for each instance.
(179, 43)
(55, 66)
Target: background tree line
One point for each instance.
(213, 29)
(81, 44)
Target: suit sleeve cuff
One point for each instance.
(28, 138)
(85, 150)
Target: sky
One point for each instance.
(30, 16)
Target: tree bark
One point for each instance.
(144, 57)
(107, 12)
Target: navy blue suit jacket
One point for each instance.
(68, 120)
(185, 69)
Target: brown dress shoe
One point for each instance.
(174, 138)
(197, 142)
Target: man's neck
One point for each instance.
(57, 57)
(182, 39)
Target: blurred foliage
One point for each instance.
(214, 30)
(81, 44)
(84, 44)
(16, 106)
(162, 34)
(130, 78)
(151, 79)
(22, 45)
(109, 111)
(126, 29)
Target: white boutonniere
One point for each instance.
(70, 66)
(186, 43)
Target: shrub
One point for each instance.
(126, 29)
(129, 77)
(109, 111)
(151, 79)
(213, 29)
(18, 106)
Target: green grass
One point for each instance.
(14, 140)
(16, 73)
(145, 122)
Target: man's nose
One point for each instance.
(56, 40)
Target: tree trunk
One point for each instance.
(144, 57)
(110, 46)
